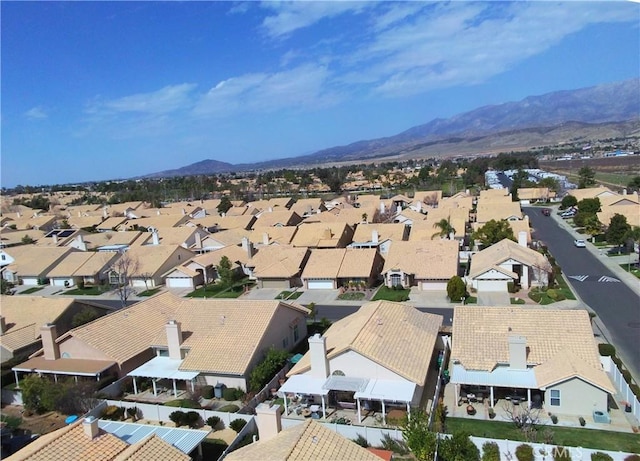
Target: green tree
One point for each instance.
(224, 205)
(518, 180)
(617, 230)
(592, 225)
(550, 183)
(494, 231)
(458, 447)
(456, 288)
(225, 273)
(589, 205)
(446, 229)
(273, 361)
(419, 438)
(27, 240)
(313, 312)
(568, 201)
(633, 236)
(86, 315)
(586, 177)
(5, 286)
(634, 184)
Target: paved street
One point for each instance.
(611, 292)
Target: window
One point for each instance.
(396, 280)
(296, 334)
(163, 352)
(555, 397)
(285, 343)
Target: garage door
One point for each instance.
(492, 285)
(179, 282)
(433, 286)
(275, 283)
(320, 284)
(60, 282)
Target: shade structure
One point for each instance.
(388, 390)
(163, 368)
(345, 383)
(304, 384)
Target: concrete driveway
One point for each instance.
(264, 293)
(318, 296)
(494, 298)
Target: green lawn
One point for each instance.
(564, 287)
(88, 290)
(352, 296)
(389, 294)
(219, 291)
(517, 301)
(28, 291)
(289, 295)
(207, 291)
(567, 436)
(471, 300)
(635, 272)
(150, 292)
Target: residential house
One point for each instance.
(339, 267)
(60, 238)
(521, 226)
(626, 205)
(111, 224)
(308, 440)
(277, 203)
(592, 192)
(542, 358)
(10, 238)
(486, 211)
(264, 236)
(369, 360)
(535, 194)
(84, 222)
(210, 341)
(378, 236)
(308, 206)
(349, 215)
(222, 239)
(459, 200)
(87, 267)
(155, 222)
(37, 222)
(278, 266)
(186, 237)
(323, 235)
(32, 263)
(22, 317)
(110, 240)
(427, 264)
(426, 229)
(425, 200)
(408, 217)
(278, 219)
(507, 261)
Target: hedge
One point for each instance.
(231, 408)
(524, 452)
(606, 350)
(183, 403)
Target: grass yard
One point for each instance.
(634, 270)
(389, 294)
(93, 290)
(352, 296)
(28, 291)
(150, 292)
(564, 287)
(291, 295)
(219, 291)
(567, 436)
(517, 301)
(471, 300)
(207, 291)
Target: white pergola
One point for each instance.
(162, 368)
(387, 390)
(304, 384)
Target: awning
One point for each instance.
(388, 390)
(499, 377)
(163, 368)
(73, 367)
(345, 383)
(304, 384)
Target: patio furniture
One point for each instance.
(306, 412)
(471, 410)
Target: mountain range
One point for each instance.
(605, 111)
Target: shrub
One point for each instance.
(213, 421)
(237, 424)
(511, 287)
(396, 446)
(362, 441)
(524, 452)
(273, 361)
(113, 413)
(626, 374)
(606, 350)
(132, 412)
(459, 446)
(207, 392)
(561, 454)
(231, 394)
(192, 419)
(582, 421)
(231, 408)
(178, 418)
(616, 360)
(554, 419)
(183, 403)
(632, 458)
(492, 413)
(599, 456)
(456, 288)
(490, 451)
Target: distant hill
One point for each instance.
(608, 110)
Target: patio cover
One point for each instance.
(345, 383)
(185, 440)
(499, 377)
(77, 367)
(304, 384)
(389, 390)
(163, 368)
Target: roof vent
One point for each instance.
(314, 439)
(222, 319)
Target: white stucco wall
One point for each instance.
(229, 381)
(577, 398)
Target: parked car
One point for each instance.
(579, 243)
(546, 212)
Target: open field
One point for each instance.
(610, 171)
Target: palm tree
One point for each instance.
(446, 229)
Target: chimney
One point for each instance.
(326, 234)
(81, 245)
(374, 236)
(247, 246)
(48, 335)
(270, 210)
(319, 361)
(517, 352)
(265, 238)
(174, 339)
(55, 238)
(419, 207)
(183, 212)
(198, 240)
(90, 427)
(522, 238)
(18, 213)
(105, 214)
(3, 325)
(155, 237)
(158, 212)
(269, 421)
(624, 191)
(382, 208)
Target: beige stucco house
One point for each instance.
(277, 266)
(340, 267)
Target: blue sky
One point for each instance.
(106, 90)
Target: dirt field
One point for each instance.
(610, 171)
(37, 424)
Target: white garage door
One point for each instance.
(60, 282)
(433, 286)
(320, 284)
(184, 282)
(492, 285)
(29, 280)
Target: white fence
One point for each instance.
(622, 386)
(374, 435)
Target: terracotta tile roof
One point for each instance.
(157, 221)
(239, 211)
(631, 212)
(410, 257)
(152, 448)
(122, 207)
(33, 222)
(619, 200)
(350, 215)
(72, 263)
(494, 193)
(281, 235)
(459, 200)
(430, 197)
(309, 441)
(73, 210)
(317, 235)
(425, 230)
(340, 263)
(278, 262)
(234, 222)
(308, 205)
(494, 210)
(387, 333)
(10, 237)
(560, 342)
(151, 259)
(84, 221)
(521, 226)
(502, 251)
(414, 216)
(112, 222)
(210, 204)
(358, 262)
(590, 192)
(100, 239)
(535, 193)
(34, 261)
(233, 252)
(364, 232)
(281, 218)
(168, 236)
(71, 443)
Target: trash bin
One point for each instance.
(218, 390)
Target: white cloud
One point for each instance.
(36, 113)
(166, 100)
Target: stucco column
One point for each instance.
(408, 411)
(524, 280)
(135, 386)
(324, 410)
(359, 414)
(491, 389)
(175, 389)
(76, 378)
(55, 378)
(384, 414)
(155, 389)
(529, 398)
(286, 408)
(15, 372)
(193, 388)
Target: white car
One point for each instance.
(579, 243)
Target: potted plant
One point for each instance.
(471, 410)
(492, 413)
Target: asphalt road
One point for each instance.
(617, 306)
(334, 312)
